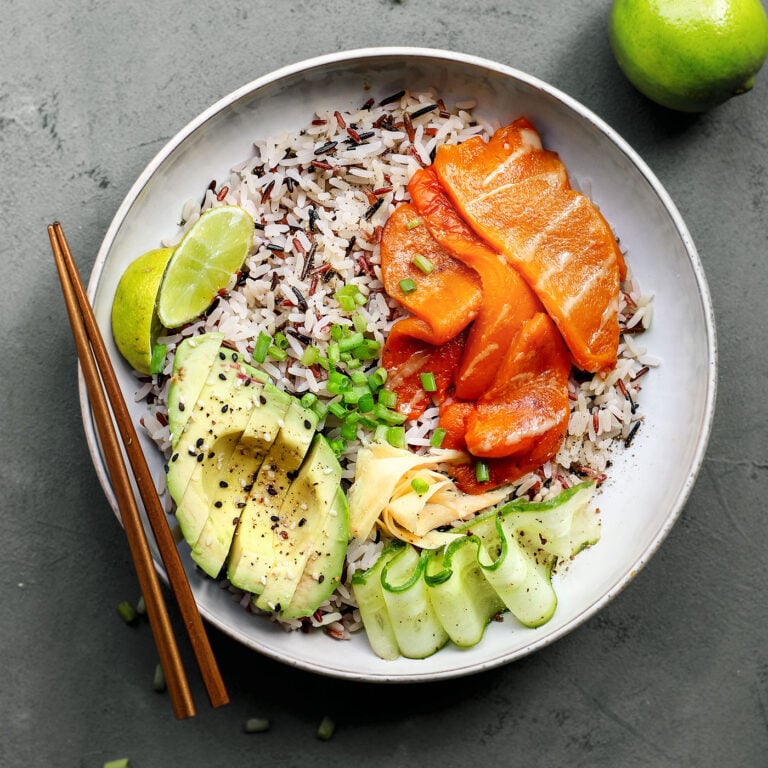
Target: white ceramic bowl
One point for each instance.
(649, 482)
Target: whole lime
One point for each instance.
(135, 325)
(689, 55)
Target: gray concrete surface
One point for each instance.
(674, 673)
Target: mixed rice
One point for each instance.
(319, 197)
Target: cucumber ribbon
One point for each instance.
(412, 602)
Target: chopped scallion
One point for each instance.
(309, 356)
(413, 223)
(338, 446)
(359, 322)
(256, 725)
(366, 403)
(387, 398)
(276, 353)
(437, 437)
(396, 437)
(127, 612)
(349, 430)
(407, 285)
(482, 473)
(419, 485)
(423, 263)
(122, 763)
(325, 729)
(261, 347)
(351, 342)
(308, 399)
(337, 409)
(280, 340)
(428, 383)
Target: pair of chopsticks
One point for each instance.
(102, 385)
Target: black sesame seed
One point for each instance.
(174, 457)
(211, 454)
(223, 484)
(274, 518)
(224, 408)
(222, 356)
(240, 504)
(307, 424)
(182, 407)
(217, 504)
(302, 521)
(199, 442)
(200, 456)
(271, 490)
(223, 376)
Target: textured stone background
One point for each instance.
(673, 673)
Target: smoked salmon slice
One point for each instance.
(528, 400)
(407, 354)
(516, 197)
(507, 299)
(448, 298)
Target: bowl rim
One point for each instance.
(357, 56)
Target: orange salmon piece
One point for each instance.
(528, 401)
(507, 299)
(407, 354)
(555, 237)
(448, 298)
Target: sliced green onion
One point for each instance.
(359, 378)
(280, 340)
(338, 382)
(349, 430)
(308, 399)
(320, 409)
(261, 347)
(338, 446)
(354, 363)
(482, 473)
(396, 437)
(127, 612)
(325, 729)
(387, 398)
(407, 285)
(309, 356)
(387, 416)
(276, 353)
(437, 437)
(428, 383)
(367, 423)
(359, 322)
(122, 763)
(256, 725)
(334, 353)
(419, 485)
(377, 379)
(158, 681)
(347, 303)
(368, 350)
(337, 409)
(366, 403)
(360, 299)
(324, 362)
(423, 263)
(337, 331)
(352, 341)
(413, 223)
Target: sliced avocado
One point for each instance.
(251, 554)
(216, 422)
(300, 523)
(322, 573)
(192, 363)
(235, 483)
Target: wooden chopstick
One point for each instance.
(97, 369)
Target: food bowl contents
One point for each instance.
(398, 406)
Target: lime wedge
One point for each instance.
(135, 325)
(211, 251)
